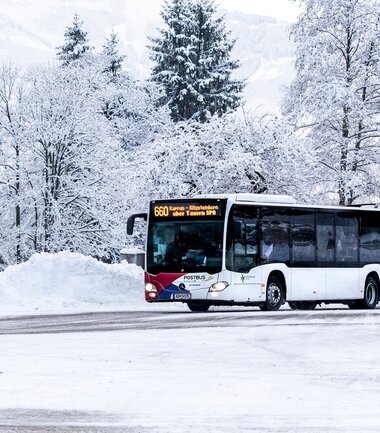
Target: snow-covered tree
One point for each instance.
(74, 159)
(169, 51)
(133, 112)
(334, 100)
(192, 61)
(130, 106)
(61, 164)
(114, 59)
(216, 92)
(224, 155)
(76, 43)
(12, 163)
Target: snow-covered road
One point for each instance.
(175, 318)
(173, 371)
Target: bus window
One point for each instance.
(242, 239)
(185, 246)
(369, 240)
(303, 236)
(275, 245)
(346, 238)
(325, 231)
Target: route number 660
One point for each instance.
(161, 211)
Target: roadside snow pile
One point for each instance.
(70, 281)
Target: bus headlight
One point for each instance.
(150, 288)
(219, 286)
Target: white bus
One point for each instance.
(261, 250)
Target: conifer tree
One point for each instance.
(169, 53)
(114, 59)
(192, 57)
(76, 43)
(215, 91)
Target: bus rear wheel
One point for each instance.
(371, 295)
(198, 307)
(275, 295)
(302, 305)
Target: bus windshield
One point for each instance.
(185, 246)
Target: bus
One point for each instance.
(260, 250)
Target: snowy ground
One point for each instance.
(69, 282)
(281, 372)
(178, 372)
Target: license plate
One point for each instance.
(182, 295)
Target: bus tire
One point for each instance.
(302, 305)
(198, 307)
(275, 295)
(371, 294)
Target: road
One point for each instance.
(333, 347)
(140, 320)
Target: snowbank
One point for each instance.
(70, 282)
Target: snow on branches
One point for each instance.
(192, 61)
(83, 144)
(64, 160)
(334, 99)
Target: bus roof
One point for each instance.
(248, 197)
(287, 200)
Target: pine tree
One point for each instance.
(113, 58)
(334, 98)
(215, 91)
(76, 43)
(169, 51)
(193, 64)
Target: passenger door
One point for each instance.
(308, 281)
(242, 253)
(343, 280)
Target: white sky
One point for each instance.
(282, 10)
(142, 11)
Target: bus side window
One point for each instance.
(275, 241)
(369, 240)
(325, 238)
(303, 236)
(346, 238)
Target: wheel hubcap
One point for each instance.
(274, 294)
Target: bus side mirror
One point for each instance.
(131, 221)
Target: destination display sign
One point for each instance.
(187, 210)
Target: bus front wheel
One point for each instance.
(275, 295)
(198, 307)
